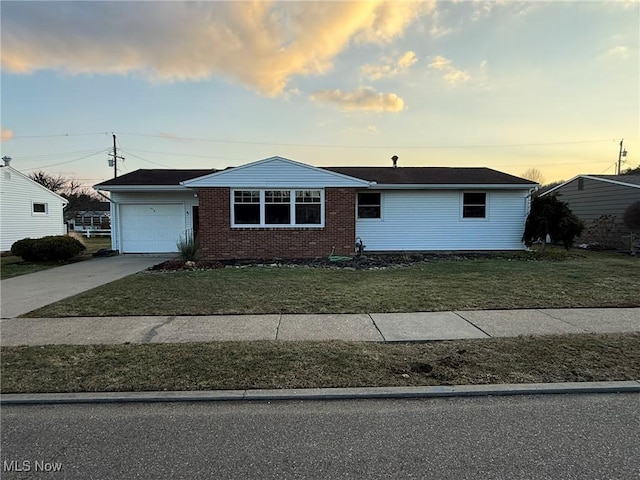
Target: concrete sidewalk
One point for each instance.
(375, 327)
(25, 293)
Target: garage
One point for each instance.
(151, 228)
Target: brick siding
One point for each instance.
(221, 242)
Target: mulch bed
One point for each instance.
(364, 262)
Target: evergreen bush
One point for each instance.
(47, 249)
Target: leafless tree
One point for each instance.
(79, 196)
(534, 175)
(55, 183)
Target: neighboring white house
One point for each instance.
(279, 208)
(94, 219)
(27, 209)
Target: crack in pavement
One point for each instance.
(377, 328)
(544, 312)
(154, 331)
(472, 324)
(278, 327)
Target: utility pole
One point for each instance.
(621, 154)
(114, 161)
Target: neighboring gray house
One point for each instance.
(592, 196)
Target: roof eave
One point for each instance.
(610, 180)
(141, 188)
(453, 186)
(590, 177)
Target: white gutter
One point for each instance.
(141, 188)
(453, 186)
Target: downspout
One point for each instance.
(527, 210)
(115, 222)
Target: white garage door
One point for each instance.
(151, 228)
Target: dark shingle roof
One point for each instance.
(158, 176)
(380, 175)
(431, 175)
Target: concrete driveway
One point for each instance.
(25, 293)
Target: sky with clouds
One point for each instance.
(504, 84)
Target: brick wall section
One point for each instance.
(221, 242)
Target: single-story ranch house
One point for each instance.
(279, 208)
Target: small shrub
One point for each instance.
(47, 249)
(601, 234)
(22, 247)
(188, 247)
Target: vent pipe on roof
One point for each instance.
(7, 161)
(395, 161)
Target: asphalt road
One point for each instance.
(520, 437)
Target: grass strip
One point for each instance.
(277, 365)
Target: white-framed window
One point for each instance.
(369, 205)
(39, 208)
(246, 207)
(474, 205)
(277, 208)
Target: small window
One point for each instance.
(246, 208)
(474, 205)
(369, 205)
(581, 183)
(39, 208)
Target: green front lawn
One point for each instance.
(12, 266)
(587, 279)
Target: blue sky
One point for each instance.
(508, 85)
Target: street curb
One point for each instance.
(324, 393)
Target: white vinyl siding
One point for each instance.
(19, 196)
(432, 220)
(266, 174)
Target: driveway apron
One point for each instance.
(25, 293)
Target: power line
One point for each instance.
(15, 137)
(405, 147)
(52, 156)
(190, 155)
(68, 161)
(143, 159)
